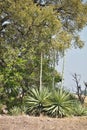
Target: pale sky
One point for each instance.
(75, 62)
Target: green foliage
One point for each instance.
(1, 108)
(36, 101)
(54, 104)
(15, 111)
(79, 109)
(58, 77)
(59, 104)
(29, 32)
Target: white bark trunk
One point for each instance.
(41, 71)
(63, 67)
(53, 85)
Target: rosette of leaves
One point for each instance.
(36, 101)
(15, 111)
(79, 109)
(60, 104)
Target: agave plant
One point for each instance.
(59, 104)
(79, 110)
(15, 111)
(36, 101)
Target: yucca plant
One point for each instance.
(79, 109)
(15, 111)
(36, 101)
(59, 104)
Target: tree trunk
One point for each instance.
(53, 84)
(62, 83)
(41, 62)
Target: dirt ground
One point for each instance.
(42, 123)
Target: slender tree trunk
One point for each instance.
(53, 84)
(63, 67)
(41, 62)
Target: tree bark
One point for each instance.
(63, 67)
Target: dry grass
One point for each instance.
(86, 99)
(85, 102)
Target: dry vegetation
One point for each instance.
(85, 102)
(86, 99)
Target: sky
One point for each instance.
(75, 62)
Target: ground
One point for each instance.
(42, 123)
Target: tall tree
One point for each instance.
(30, 33)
